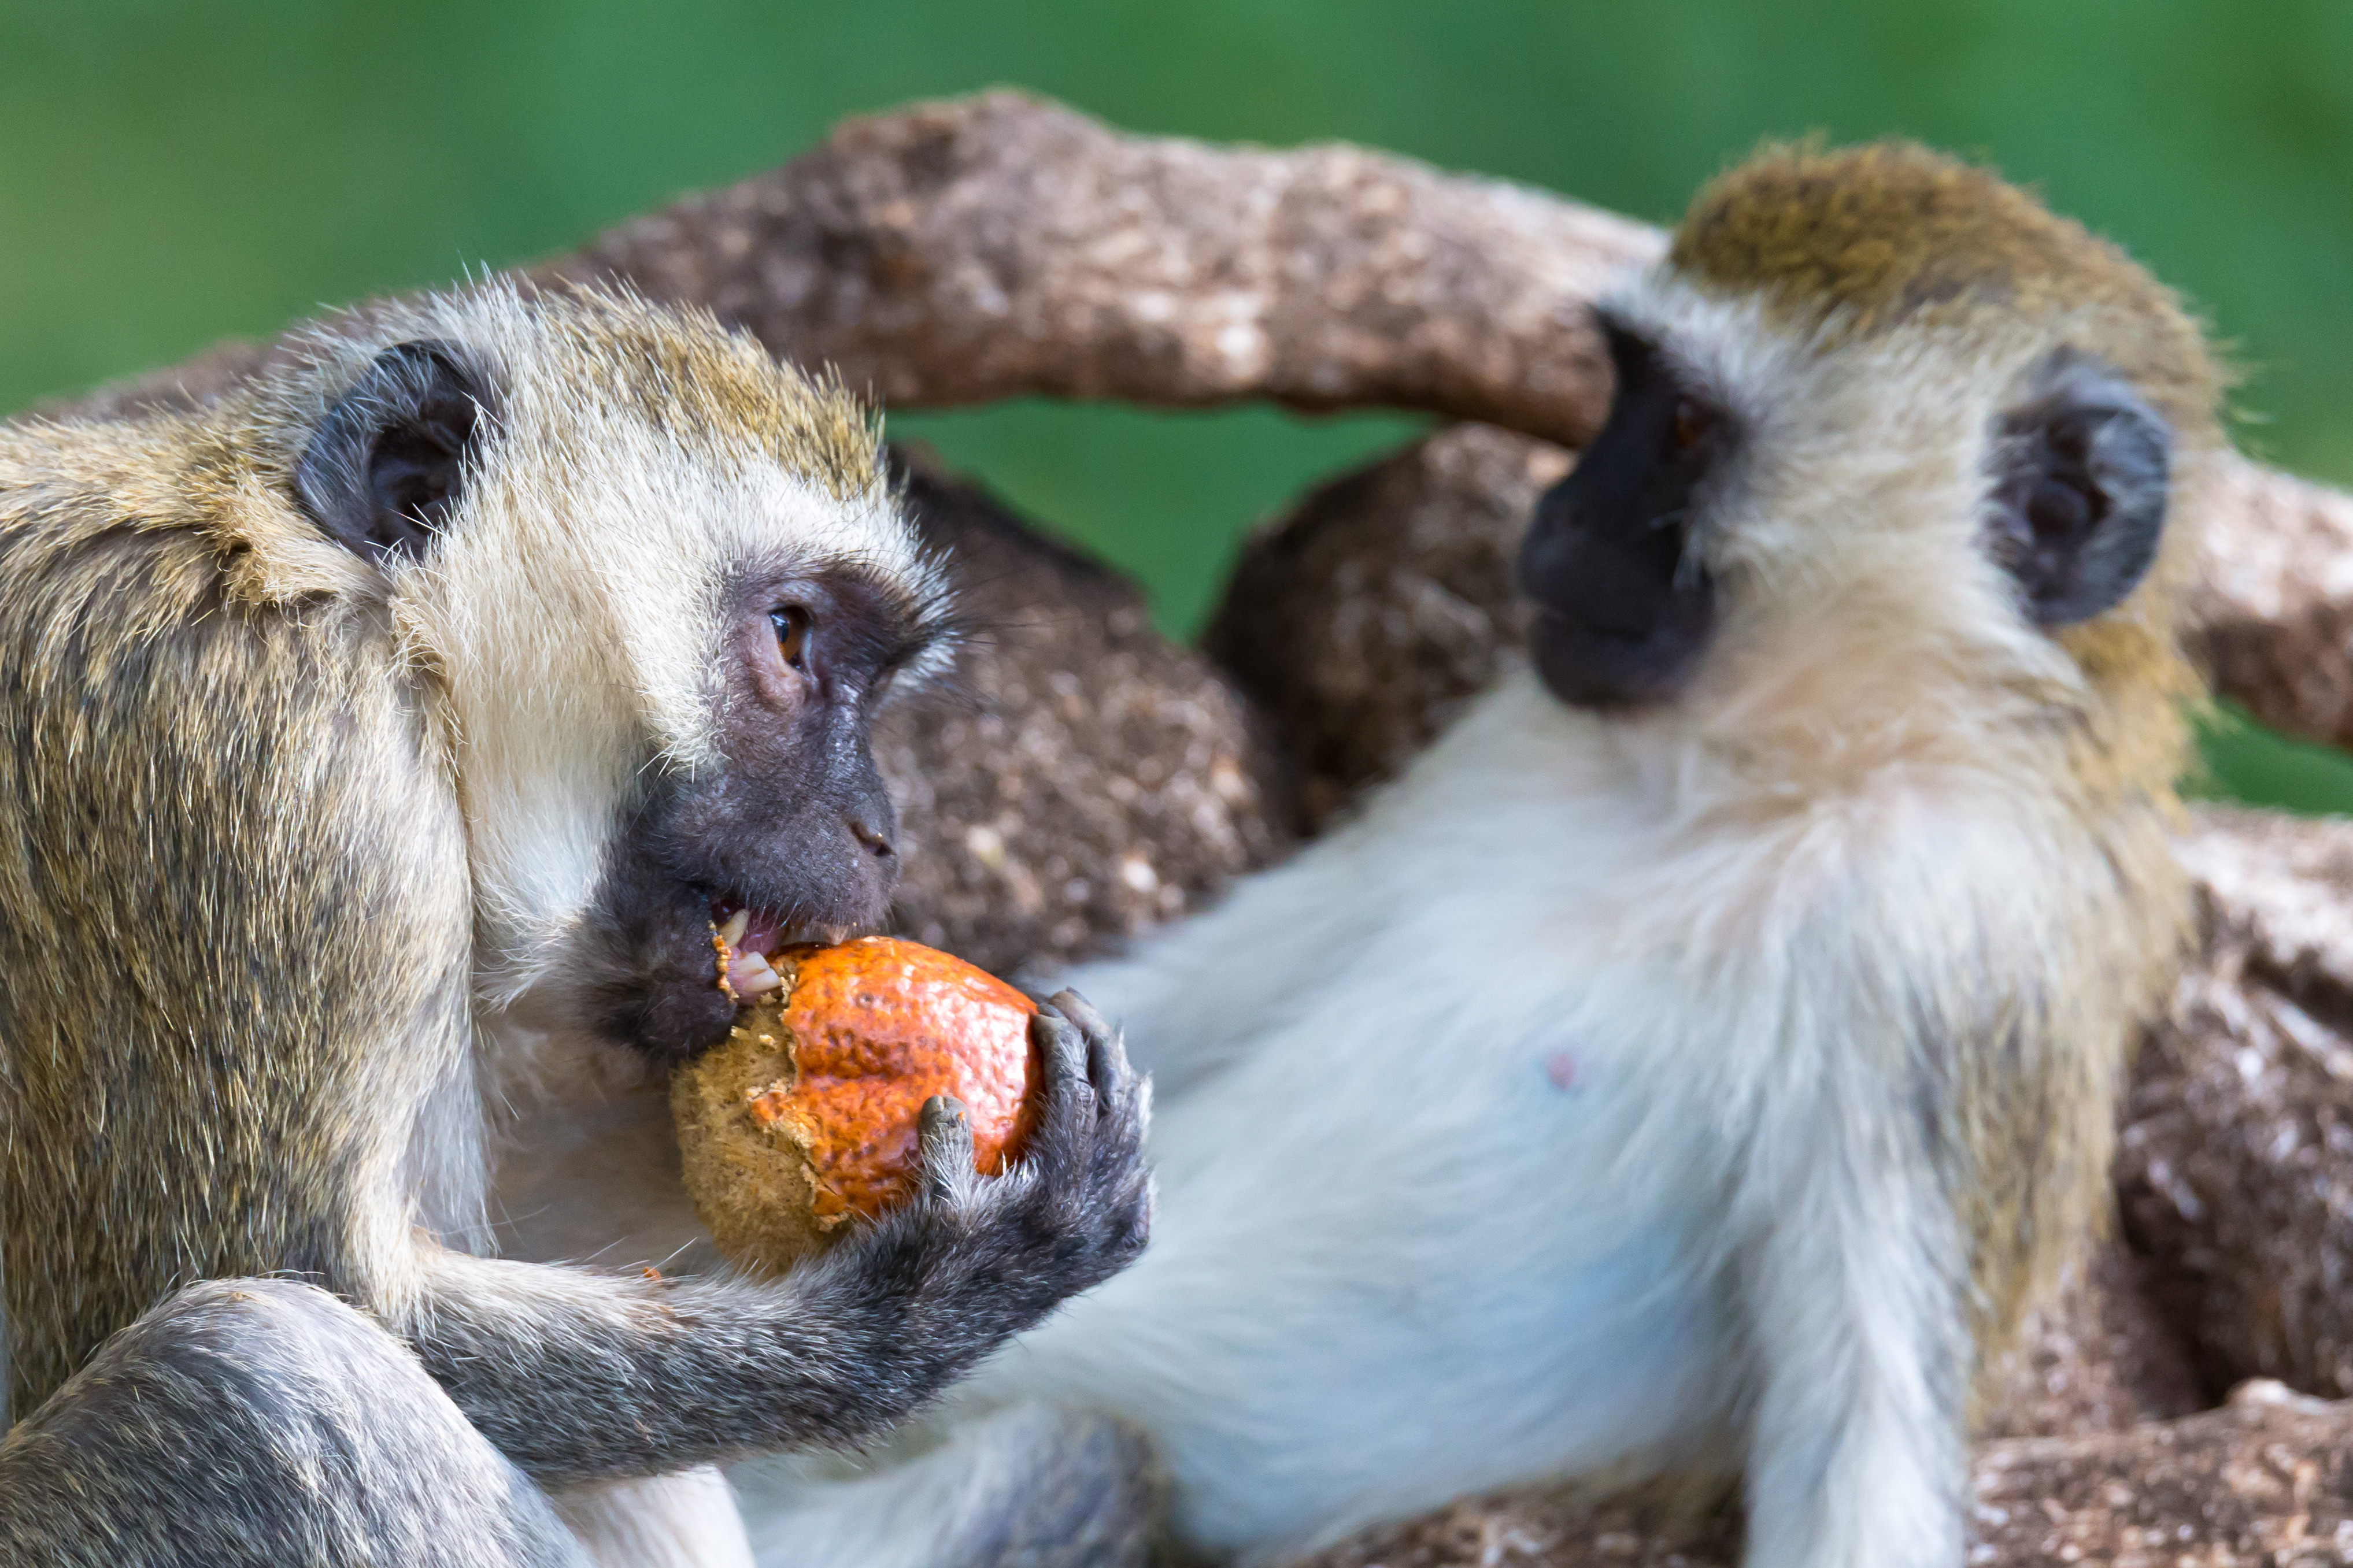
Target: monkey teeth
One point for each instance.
(749, 975)
(743, 937)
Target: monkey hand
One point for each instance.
(615, 1375)
(985, 1257)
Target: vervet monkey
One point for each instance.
(1687, 1071)
(417, 709)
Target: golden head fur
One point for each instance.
(1865, 238)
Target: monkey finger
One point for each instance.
(945, 1131)
(1078, 1010)
(1070, 1097)
(1107, 1066)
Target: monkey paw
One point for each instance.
(979, 1258)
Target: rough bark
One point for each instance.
(1364, 620)
(999, 246)
(2099, 1358)
(2236, 1170)
(1081, 777)
(2267, 1482)
(2274, 607)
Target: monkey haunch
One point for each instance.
(409, 713)
(1781, 930)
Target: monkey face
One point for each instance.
(1770, 503)
(790, 838)
(1624, 603)
(653, 587)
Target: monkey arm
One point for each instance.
(1860, 1200)
(578, 1376)
(1855, 1302)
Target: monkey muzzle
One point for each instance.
(1623, 611)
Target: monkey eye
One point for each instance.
(792, 624)
(1693, 421)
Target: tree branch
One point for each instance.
(999, 247)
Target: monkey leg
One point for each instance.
(1026, 1487)
(265, 1423)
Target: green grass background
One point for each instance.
(172, 172)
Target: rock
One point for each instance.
(1081, 777)
(2235, 1169)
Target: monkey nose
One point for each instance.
(876, 840)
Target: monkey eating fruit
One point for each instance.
(807, 1113)
(522, 631)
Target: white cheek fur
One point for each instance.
(574, 618)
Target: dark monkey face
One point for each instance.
(783, 833)
(1624, 604)
(1617, 558)
(792, 838)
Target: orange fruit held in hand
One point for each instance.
(806, 1113)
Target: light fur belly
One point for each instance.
(1322, 1331)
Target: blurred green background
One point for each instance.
(173, 173)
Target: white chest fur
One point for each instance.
(1410, 1233)
(1468, 1116)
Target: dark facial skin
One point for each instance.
(2074, 510)
(1624, 607)
(2082, 478)
(793, 825)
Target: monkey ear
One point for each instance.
(385, 465)
(2080, 491)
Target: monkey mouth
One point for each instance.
(744, 937)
